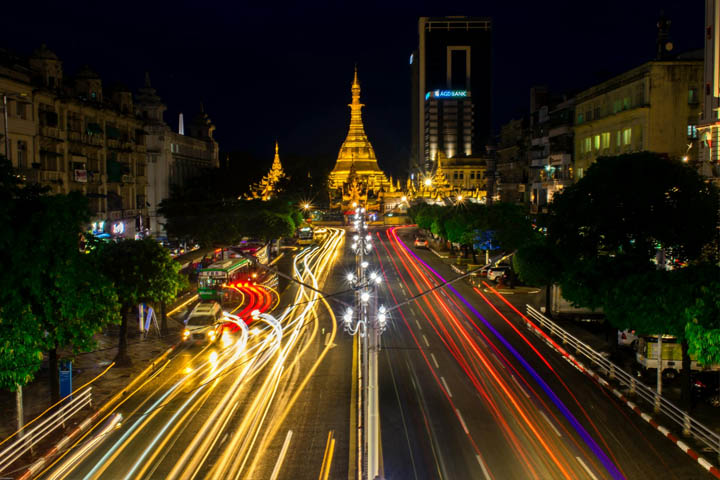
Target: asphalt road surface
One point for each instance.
(467, 392)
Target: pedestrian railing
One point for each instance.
(27, 439)
(604, 367)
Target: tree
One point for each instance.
(630, 203)
(52, 296)
(142, 271)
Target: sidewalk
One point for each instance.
(86, 366)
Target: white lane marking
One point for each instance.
(442, 379)
(463, 422)
(281, 457)
(592, 475)
(557, 432)
(427, 344)
(418, 324)
(484, 468)
(520, 386)
(434, 360)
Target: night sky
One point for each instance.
(267, 70)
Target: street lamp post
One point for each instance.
(5, 123)
(367, 320)
(5, 119)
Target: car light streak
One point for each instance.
(611, 468)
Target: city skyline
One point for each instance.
(284, 74)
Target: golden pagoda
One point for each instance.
(267, 187)
(356, 153)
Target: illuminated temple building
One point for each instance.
(266, 188)
(357, 178)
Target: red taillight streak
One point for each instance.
(427, 362)
(561, 350)
(510, 435)
(490, 368)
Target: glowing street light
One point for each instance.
(364, 264)
(306, 206)
(368, 237)
(373, 275)
(364, 297)
(428, 182)
(403, 198)
(350, 277)
(459, 198)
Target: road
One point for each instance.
(466, 392)
(217, 411)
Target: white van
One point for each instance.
(204, 324)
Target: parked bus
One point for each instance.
(256, 249)
(305, 235)
(225, 272)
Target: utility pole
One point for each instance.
(5, 123)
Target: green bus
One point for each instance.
(213, 278)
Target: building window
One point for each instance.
(455, 175)
(596, 142)
(20, 109)
(21, 154)
(580, 118)
(627, 136)
(472, 175)
(692, 131)
(588, 145)
(606, 140)
(692, 96)
(618, 138)
(461, 175)
(626, 103)
(617, 106)
(589, 115)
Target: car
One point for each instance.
(421, 242)
(495, 273)
(627, 338)
(204, 323)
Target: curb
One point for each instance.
(648, 418)
(36, 466)
(438, 253)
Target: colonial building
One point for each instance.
(708, 159)
(71, 134)
(456, 179)
(551, 149)
(267, 187)
(653, 107)
(172, 157)
(357, 177)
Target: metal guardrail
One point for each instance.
(603, 366)
(30, 438)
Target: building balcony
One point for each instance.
(51, 132)
(33, 175)
(560, 159)
(560, 130)
(539, 162)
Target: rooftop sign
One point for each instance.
(446, 94)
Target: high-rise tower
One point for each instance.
(451, 83)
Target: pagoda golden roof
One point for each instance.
(356, 150)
